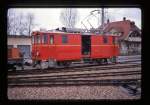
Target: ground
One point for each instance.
(74, 92)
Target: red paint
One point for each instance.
(58, 50)
(72, 50)
(103, 50)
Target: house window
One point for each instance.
(64, 39)
(44, 39)
(105, 39)
(51, 39)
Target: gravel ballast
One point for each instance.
(69, 92)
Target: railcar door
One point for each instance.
(86, 45)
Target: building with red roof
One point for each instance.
(129, 35)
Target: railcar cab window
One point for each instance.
(105, 39)
(44, 39)
(51, 39)
(64, 39)
(32, 40)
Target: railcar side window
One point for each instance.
(38, 39)
(64, 39)
(105, 39)
(44, 39)
(51, 39)
(114, 40)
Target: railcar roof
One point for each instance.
(61, 32)
(54, 32)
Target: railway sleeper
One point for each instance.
(76, 82)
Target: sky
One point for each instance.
(48, 18)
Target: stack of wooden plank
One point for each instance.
(13, 53)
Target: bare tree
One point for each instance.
(30, 22)
(11, 22)
(109, 15)
(19, 24)
(69, 17)
(9, 19)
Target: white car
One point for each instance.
(28, 61)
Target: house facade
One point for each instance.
(22, 42)
(129, 35)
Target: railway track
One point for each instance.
(74, 69)
(73, 76)
(62, 79)
(83, 75)
(115, 82)
(86, 65)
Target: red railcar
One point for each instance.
(56, 48)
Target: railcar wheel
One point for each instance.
(66, 64)
(105, 61)
(20, 65)
(44, 65)
(102, 61)
(35, 63)
(99, 61)
(13, 69)
(59, 63)
(52, 63)
(113, 59)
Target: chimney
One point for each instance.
(107, 20)
(64, 29)
(133, 22)
(124, 18)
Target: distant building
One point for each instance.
(20, 41)
(129, 35)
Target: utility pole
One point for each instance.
(99, 17)
(102, 18)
